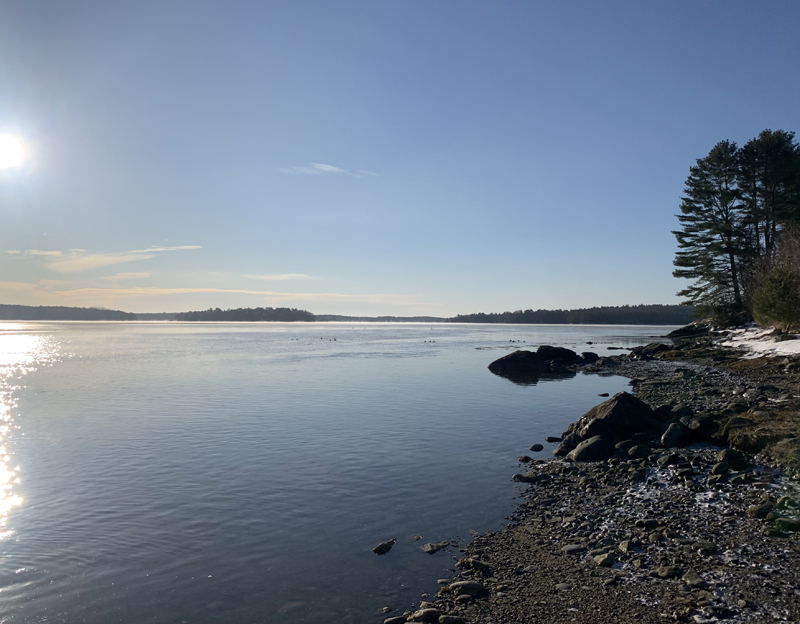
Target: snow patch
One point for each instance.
(760, 342)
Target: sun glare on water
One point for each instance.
(12, 152)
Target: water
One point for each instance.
(237, 472)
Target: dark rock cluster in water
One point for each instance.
(546, 363)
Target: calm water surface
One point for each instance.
(243, 472)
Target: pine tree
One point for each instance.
(711, 238)
(769, 181)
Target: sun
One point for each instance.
(12, 152)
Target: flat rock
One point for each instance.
(471, 588)
(573, 549)
(432, 547)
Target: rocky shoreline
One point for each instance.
(682, 509)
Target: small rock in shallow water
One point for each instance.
(384, 547)
(433, 547)
(398, 619)
(552, 439)
(537, 447)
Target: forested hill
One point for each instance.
(247, 314)
(608, 315)
(61, 313)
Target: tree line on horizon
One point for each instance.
(10, 312)
(605, 315)
(739, 239)
(608, 315)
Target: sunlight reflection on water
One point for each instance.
(21, 353)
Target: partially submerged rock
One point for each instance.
(384, 547)
(528, 367)
(433, 547)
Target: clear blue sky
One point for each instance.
(407, 157)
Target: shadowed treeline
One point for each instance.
(61, 313)
(609, 315)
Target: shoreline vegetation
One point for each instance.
(673, 502)
(604, 315)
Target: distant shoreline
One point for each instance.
(656, 315)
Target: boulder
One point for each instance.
(568, 443)
(699, 425)
(675, 435)
(736, 422)
(592, 450)
(527, 367)
(589, 357)
(735, 459)
(621, 416)
(639, 451)
(426, 615)
(566, 356)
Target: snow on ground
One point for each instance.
(758, 342)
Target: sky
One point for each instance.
(397, 157)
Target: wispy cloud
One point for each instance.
(270, 295)
(17, 286)
(126, 276)
(281, 277)
(74, 260)
(318, 169)
(51, 292)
